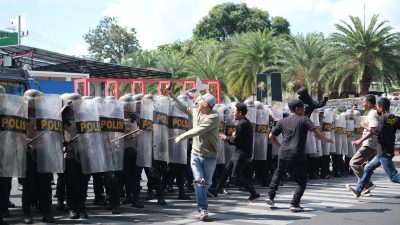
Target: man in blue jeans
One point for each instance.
(388, 124)
(204, 147)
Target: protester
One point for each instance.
(386, 133)
(243, 140)
(204, 147)
(292, 151)
(369, 143)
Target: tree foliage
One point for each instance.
(225, 19)
(302, 61)
(280, 26)
(111, 41)
(249, 54)
(362, 53)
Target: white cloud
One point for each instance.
(160, 22)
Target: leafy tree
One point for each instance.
(363, 53)
(207, 61)
(301, 58)
(280, 26)
(172, 62)
(225, 19)
(141, 59)
(250, 53)
(111, 41)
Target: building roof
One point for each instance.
(44, 60)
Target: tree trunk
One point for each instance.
(365, 82)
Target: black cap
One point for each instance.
(295, 103)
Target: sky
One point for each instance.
(58, 25)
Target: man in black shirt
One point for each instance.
(388, 124)
(294, 131)
(243, 140)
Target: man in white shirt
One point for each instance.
(368, 148)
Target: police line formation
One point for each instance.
(76, 136)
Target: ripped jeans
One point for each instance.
(203, 170)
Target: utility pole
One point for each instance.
(19, 29)
(21, 34)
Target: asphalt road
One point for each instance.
(325, 202)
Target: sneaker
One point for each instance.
(254, 196)
(353, 191)
(366, 193)
(296, 208)
(367, 189)
(203, 215)
(270, 202)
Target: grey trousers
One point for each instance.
(363, 155)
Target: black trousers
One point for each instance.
(112, 188)
(61, 187)
(175, 171)
(98, 185)
(132, 174)
(156, 175)
(300, 175)
(36, 186)
(218, 172)
(76, 184)
(337, 164)
(260, 171)
(235, 168)
(4, 194)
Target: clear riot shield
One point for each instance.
(311, 144)
(112, 128)
(91, 152)
(230, 127)
(358, 131)
(340, 134)
(177, 125)
(145, 142)
(49, 130)
(327, 130)
(350, 135)
(162, 105)
(278, 114)
(221, 109)
(13, 134)
(261, 133)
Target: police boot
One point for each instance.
(137, 203)
(47, 218)
(161, 200)
(116, 210)
(150, 195)
(73, 215)
(28, 219)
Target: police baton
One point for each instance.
(69, 142)
(132, 132)
(35, 138)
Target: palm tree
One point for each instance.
(207, 61)
(363, 54)
(249, 54)
(141, 59)
(172, 62)
(301, 58)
